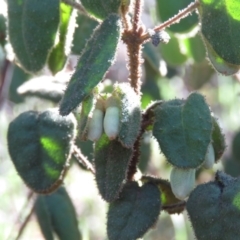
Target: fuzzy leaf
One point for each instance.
(219, 21)
(101, 8)
(169, 8)
(56, 212)
(135, 211)
(183, 130)
(216, 204)
(170, 203)
(97, 57)
(130, 116)
(219, 64)
(57, 57)
(40, 147)
(43, 217)
(111, 161)
(32, 29)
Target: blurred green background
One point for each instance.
(169, 71)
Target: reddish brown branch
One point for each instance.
(134, 62)
(132, 38)
(135, 159)
(137, 15)
(182, 14)
(146, 121)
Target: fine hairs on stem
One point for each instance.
(175, 19)
(131, 38)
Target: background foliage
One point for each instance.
(169, 71)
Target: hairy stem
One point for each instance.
(125, 21)
(137, 15)
(134, 161)
(134, 48)
(182, 14)
(134, 64)
(146, 121)
(83, 159)
(75, 5)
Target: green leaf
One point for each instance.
(43, 217)
(214, 208)
(136, 210)
(196, 48)
(172, 52)
(40, 146)
(219, 21)
(167, 9)
(19, 77)
(32, 29)
(97, 57)
(57, 57)
(130, 116)
(197, 74)
(220, 64)
(183, 130)
(232, 166)
(146, 152)
(111, 161)
(236, 146)
(86, 108)
(45, 87)
(170, 203)
(83, 31)
(150, 89)
(101, 8)
(3, 30)
(152, 56)
(56, 212)
(218, 140)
